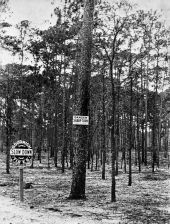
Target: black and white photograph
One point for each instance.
(84, 112)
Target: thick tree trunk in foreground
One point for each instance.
(79, 170)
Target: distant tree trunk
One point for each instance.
(131, 132)
(153, 145)
(97, 144)
(118, 123)
(56, 136)
(103, 129)
(113, 143)
(146, 102)
(131, 118)
(64, 144)
(166, 139)
(142, 120)
(97, 153)
(56, 121)
(8, 129)
(49, 143)
(79, 170)
(33, 123)
(146, 123)
(2, 136)
(117, 143)
(154, 130)
(138, 137)
(143, 142)
(158, 117)
(92, 156)
(159, 137)
(33, 132)
(124, 142)
(41, 125)
(21, 113)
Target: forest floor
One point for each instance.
(147, 201)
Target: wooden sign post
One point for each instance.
(21, 184)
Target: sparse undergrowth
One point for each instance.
(146, 201)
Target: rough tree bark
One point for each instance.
(8, 128)
(103, 129)
(79, 170)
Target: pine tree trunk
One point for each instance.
(56, 124)
(33, 133)
(63, 157)
(142, 121)
(118, 124)
(103, 130)
(79, 170)
(146, 125)
(153, 145)
(131, 133)
(113, 142)
(41, 126)
(8, 130)
(138, 137)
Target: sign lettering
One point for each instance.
(80, 120)
(21, 151)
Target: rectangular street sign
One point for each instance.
(21, 152)
(80, 120)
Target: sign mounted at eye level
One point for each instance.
(80, 120)
(21, 151)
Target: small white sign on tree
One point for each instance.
(80, 120)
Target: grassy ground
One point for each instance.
(146, 201)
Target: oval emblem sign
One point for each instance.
(21, 151)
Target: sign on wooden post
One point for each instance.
(21, 152)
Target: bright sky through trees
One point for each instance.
(39, 13)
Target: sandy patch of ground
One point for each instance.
(13, 212)
(145, 202)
